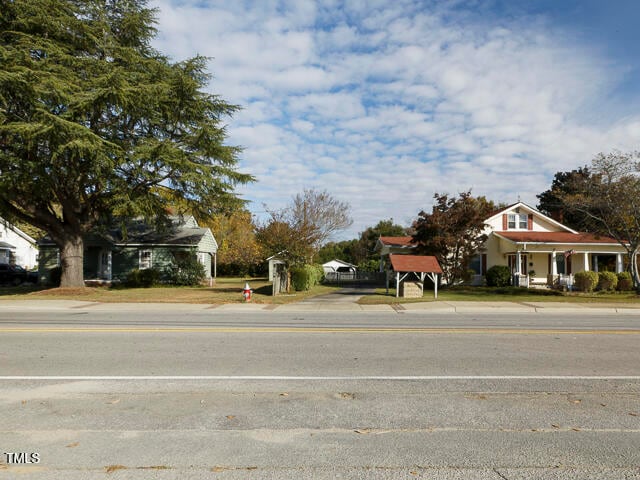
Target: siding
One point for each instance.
(208, 243)
(47, 260)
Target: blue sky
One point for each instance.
(385, 103)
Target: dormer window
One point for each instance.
(517, 221)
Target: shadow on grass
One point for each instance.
(6, 291)
(263, 290)
(506, 291)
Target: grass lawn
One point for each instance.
(486, 294)
(226, 290)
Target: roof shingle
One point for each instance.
(415, 263)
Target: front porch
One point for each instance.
(556, 268)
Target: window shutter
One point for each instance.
(530, 222)
(504, 221)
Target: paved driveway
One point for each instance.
(344, 295)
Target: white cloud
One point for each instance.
(384, 103)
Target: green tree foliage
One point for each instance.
(612, 204)
(345, 251)
(453, 232)
(95, 123)
(365, 250)
(361, 251)
(552, 201)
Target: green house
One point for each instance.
(111, 253)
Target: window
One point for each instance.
(517, 221)
(145, 259)
(475, 264)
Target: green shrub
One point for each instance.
(186, 271)
(304, 277)
(143, 278)
(625, 282)
(498, 276)
(586, 281)
(607, 281)
(369, 266)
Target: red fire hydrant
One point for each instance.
(246, 293)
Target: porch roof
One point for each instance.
(415, 263)
(556, 237)
(6, 246)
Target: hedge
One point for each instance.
(607, 281)
(625, 282)
(147, 277)
(586, 281)
(304, 277)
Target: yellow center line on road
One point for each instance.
(363, 330)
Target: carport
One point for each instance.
(421, 266)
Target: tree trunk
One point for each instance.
(635, 273)
(71, 261)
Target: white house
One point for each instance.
(536, 248)
(16, 247)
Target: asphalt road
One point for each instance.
(156, 393)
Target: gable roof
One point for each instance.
(178, 232)
(338, 261)
(17, 231)
(414, 263)
(527, 236)
(531, 210)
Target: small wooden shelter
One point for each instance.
(421, 266)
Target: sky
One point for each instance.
(386, 103)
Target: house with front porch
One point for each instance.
(536, 248)
(540, 250)
(110, 254)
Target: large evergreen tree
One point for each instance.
(95, 123)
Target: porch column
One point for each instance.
(215, 265)
(586, 261)
(619, 264)
(554, 265)
(518, 260)
(109, 265)
(595, 263)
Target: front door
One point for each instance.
(104, 270)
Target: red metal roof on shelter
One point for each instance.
(398, 241)
(415, 263)
(555, 237)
